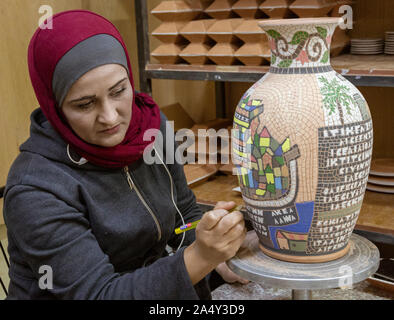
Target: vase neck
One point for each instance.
(300, 47)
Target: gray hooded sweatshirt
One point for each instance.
(86, 232)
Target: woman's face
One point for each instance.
(99, 104)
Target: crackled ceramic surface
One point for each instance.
(303, 146)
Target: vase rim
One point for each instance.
(299, 21)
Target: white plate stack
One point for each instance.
(389, 43)
(367, 46)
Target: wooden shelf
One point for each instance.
(366, 70)
(361, 70)
(372, 65)
(205, 72)
(377, 213)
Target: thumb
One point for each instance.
(227, 205)
(228, 275)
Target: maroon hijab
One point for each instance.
(46, 48)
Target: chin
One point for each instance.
(108, 145)
(111, 141)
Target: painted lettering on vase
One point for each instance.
(344, 158)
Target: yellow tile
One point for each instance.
(286, 145)
(264, 142)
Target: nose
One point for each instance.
(108, 114)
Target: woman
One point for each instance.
(79, 199)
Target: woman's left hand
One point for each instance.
(228, 275)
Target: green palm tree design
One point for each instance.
(335, 96)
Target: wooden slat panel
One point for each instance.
(380, 102)
(1, 213)
(3, 265)
(372, 18)
(19, 20)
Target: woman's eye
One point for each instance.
(85, 105)
(116, 93)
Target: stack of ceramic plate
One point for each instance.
(367, 46)
(389, 44)
(381, 176)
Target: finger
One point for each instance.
(228, 222)
(225, 205)
(211, 218)
(233, 246)
(242, 280)
(235, 232)
(232, 277)
(230, 248)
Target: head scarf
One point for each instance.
(46, 49)
(89, 54)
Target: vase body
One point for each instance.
(302, 146)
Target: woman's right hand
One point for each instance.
(219, 235)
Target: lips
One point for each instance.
(111, 130)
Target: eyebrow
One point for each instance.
(93, 96)
(117, 84)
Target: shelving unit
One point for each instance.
(362, 71)
(148, 71)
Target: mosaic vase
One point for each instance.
(302, 146)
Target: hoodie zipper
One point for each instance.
(133, 186)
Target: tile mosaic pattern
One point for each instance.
(301, 70)
(306, 46)
(303, 146)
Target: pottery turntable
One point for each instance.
(361, 261)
